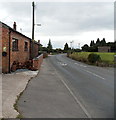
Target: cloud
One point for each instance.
(73, 18)
(82, 38)
(61, 21)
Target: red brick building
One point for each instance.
(16, 47)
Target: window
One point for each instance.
(14, 44)
(26, 46)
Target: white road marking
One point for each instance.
(73, 95)
(83, 65)
(63, 64)
(90, 71)
(94, 74)
(80, 65)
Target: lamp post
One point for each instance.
(38, 24)
(79, 45)
(71, 44)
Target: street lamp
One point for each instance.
(71, 44)
(79, 45)
(38, 24)
(33, 28)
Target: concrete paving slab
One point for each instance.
(12, 85)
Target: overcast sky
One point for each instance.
(62, 22)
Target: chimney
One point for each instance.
(14, 26)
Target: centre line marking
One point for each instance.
(80, 65)
(94, 74)
(90, 72)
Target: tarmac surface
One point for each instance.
(65, 88)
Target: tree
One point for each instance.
(93, 49)
(66, 47)
(59, 50)
(103, 42)
(98, 42)
(92, 43)
(85, 48)
(112, 46)
(49, 47)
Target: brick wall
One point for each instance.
(20, 56)
(35, 50)
(5, 43)
(37, 62)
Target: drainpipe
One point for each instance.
(9, 52)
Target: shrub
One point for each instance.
(93, 58)
(45, 54)
(28, 64)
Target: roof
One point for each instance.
(14, 30)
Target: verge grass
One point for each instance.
(82, 56)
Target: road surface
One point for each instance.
(65, 88)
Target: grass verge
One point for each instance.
(107, 59)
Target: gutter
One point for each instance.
(9, 52)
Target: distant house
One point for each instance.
(104, 49)
(15, 47)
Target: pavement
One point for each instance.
(65, 88)
(12, 85)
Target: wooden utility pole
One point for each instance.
(33, 25)
(33, 20)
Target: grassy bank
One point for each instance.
(107, 59)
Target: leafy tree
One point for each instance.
(44, 49)
(94, 46)
(112, 45)
(103, 42)
(93, 49)
(49, 47)
(77, 50)
(98, 41)
(66, 47)
(59, 50)
(85, 48)
(92, 43)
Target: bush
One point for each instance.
(45, 54)
(93, 58)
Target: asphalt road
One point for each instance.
(86, 91)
